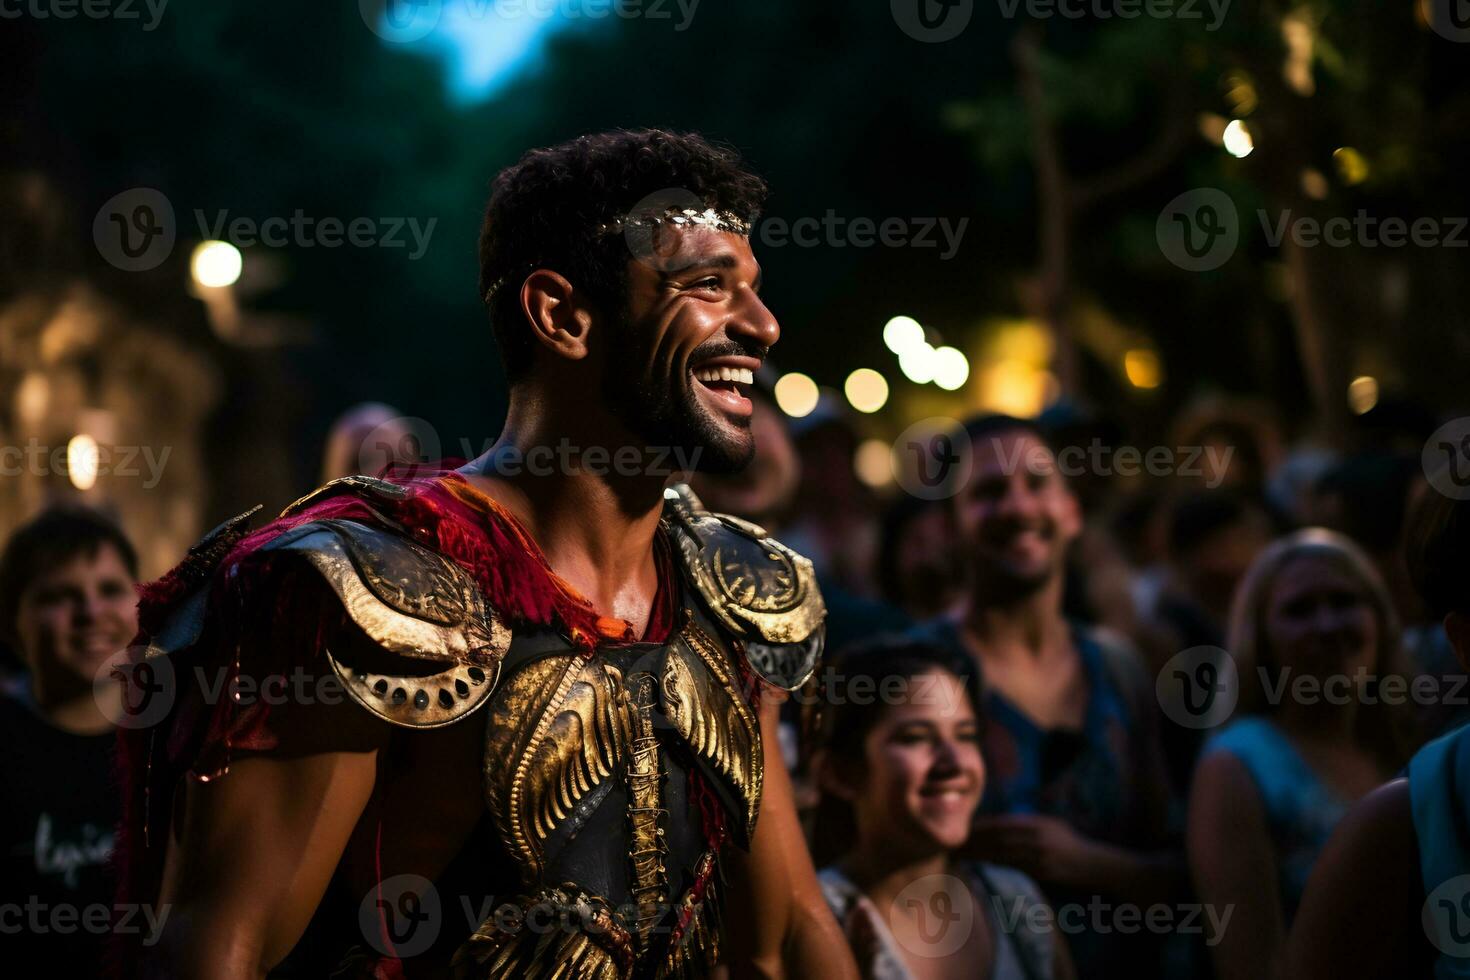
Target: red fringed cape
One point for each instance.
(443, 511)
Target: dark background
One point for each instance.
(1060, 139)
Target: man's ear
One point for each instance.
(560, 320)
(1457, 628)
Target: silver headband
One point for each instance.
(678, 217)
(709, 218)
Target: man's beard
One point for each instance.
(1004, 582)
(666, 413)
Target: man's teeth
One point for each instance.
(742, 376)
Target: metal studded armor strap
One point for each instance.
(436, 646)
(760, 590)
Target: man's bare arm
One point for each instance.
(256, 849)
(778, 923)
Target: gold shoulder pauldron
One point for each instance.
(440, 644)
(759, 589)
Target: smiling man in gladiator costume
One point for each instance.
(549, 733)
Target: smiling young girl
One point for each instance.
(901, 776)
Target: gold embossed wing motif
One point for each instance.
(756, 587)
(703, 702)
(559, 728)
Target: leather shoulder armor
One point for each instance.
(756, 587)
(184, 622)
(439, 644)
(367, 488)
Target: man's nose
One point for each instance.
(1019, 500)
(755, 320)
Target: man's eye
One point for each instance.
(713, 282)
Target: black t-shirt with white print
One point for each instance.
(58, 811)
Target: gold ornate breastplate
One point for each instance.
(612, 777)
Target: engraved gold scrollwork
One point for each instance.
(435, 610)
(755, 586)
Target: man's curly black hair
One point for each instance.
(545, 209)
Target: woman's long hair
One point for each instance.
(1386, 728)
(848, 719)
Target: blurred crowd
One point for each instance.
(1069, 722)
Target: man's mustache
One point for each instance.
(727, 348)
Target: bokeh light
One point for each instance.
(918, 364)
(1143, 368)
(1237, 139)
(873, 463)
(796, 394)
(903, 333)
(1352, 166)
(82, 459)
(951, 369)
(216, 264)
(866, 390)
(1362, 394)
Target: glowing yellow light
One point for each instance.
(866, 390)
(82, 461)
(1237, 139)
(1240, 92)
(1352, 166)
(903, 333)
(1013, 387)
(796, 394)
(1143, 368)
(32, 396)
(918, 364)
(951, 369)
(1314, 184)
(1300, 38)
(873, 462)
(216, 264)
(1362, 394)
